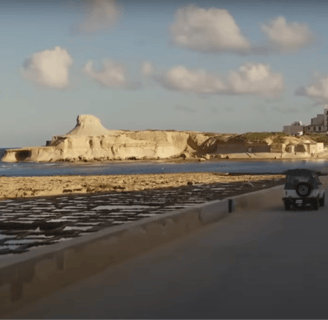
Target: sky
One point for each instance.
(212, 66)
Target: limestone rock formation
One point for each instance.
(90, 141)
(88, 125)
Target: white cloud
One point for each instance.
(207, 30)
(48, 68)
(98, 15)
(254, 79)
(287, 36)
(317, 90)
(147, 68)
(215, 30)
(112, 75)
(197, 81)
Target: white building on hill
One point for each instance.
(294, 127)
(318, 124)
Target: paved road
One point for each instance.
(270, 264)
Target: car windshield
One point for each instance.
(298, 179)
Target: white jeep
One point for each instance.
(302, 188)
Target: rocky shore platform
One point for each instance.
(89, 204)
(22, 187)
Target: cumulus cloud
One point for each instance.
(147, 68)
(254, 79)
(215, 30)
(112, 75)
(207, 30)
(180, 78)
(98, 15)
(287, 36)
(317, 90)
(48, 68)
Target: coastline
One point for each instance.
(25, 187)
(185, 160)
(206, 160)
(90, 141)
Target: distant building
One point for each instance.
(318, 124)
(294, 127)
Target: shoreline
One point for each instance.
(26, 187)
(173, 160)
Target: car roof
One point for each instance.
(297, 172)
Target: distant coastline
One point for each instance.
(90, 142)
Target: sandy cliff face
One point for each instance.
(89, 140)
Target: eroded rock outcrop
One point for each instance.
(89, 141)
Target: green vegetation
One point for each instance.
(259, 137)
(262, 135)
(279, 137)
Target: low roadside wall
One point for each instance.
(30, 276)
(258, 200)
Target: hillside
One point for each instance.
(318, 137)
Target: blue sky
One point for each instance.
(34, 108)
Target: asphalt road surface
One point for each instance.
(256, 264)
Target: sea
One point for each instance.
(28, 169)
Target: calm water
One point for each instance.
(60, 168)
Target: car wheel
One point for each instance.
(303, 189)
(287, 206)
(316, 204)
(322, 200)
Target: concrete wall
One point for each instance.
(325, 112)
(315, 147)
(30, 276)
(301, 148)
(320, 147)
(277, 147)
(319, 120)
(261, 148)
(258, 200)
(241, 148)
(304, 147)
(232, 148)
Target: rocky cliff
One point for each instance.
(89, 140)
